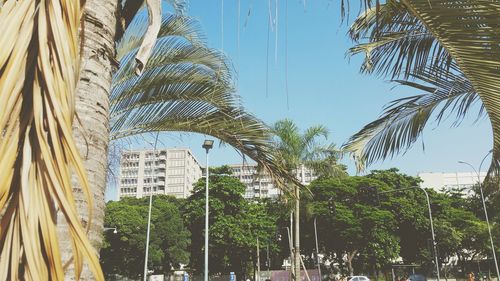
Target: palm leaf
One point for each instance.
(450, 49)
(40, 66)
(294, 148)
(403, 120)
(398, 43)
(470, 32)
(186, 87)
(172, 25)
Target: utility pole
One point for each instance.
(150, 205)
(257, 278)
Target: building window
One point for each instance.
(176, 172)
(175, 180)
(177, 154)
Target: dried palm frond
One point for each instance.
(40, 65)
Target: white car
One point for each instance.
(358, 278)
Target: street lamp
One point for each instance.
(484, 207)
(317, 248)
(207, 145)
(430, 219)
(150, 204)
(109, 228)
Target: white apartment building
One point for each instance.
(451, 181)
(171, 171)
(260, 184)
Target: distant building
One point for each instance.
(260, 184)
(171, 171)
(451, 181)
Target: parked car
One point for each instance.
(358, 278)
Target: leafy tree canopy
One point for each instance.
(347, 209)
(123, 252)
(234, 225)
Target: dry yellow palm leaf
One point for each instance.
(40, 65)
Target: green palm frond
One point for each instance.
(294, 148)
(449, 49)
(470, 31)
(403, 120)
(187, 87)
(398, 44)
(325, 162)
(232, 126)
(176, 71)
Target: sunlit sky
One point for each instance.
(324, 86)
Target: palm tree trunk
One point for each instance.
(91, 129)
(296, 252)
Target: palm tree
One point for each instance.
(296, 150)
(39, 78)
(185, 87)
(40, 62)
(447, 49)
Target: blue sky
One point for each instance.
(324, 86)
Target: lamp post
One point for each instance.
(484, 207)
(317, 248)
(149, 212)
(207, 145)
(111, 228)
(434, 244)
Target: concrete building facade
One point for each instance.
(457, 181)
(171, 171)
(260, 184)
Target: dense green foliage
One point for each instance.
(347, 209)
(123, 252)
(235, 225)
(365, 223)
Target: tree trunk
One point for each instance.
(91, 130)
(296, 252)
(349, 262)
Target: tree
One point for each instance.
(459, 231)
(184, 86)
(123, 252)
(296, 150)
(410, 210)
(347, 209)
(447, 50)
(234, 226)
(102, 26)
